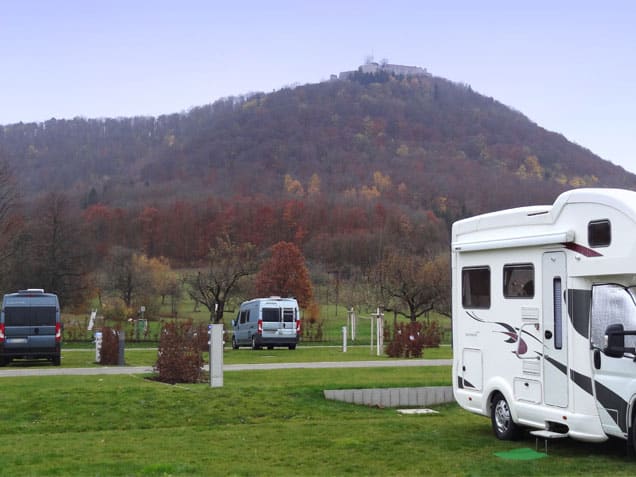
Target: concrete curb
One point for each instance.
(393, 397)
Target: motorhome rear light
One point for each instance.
(260, 327)
(58, 332)
(297, 326)
(2, 333)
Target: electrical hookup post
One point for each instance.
(216, 355)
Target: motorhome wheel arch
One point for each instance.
(544, 316)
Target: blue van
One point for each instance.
(30, 326)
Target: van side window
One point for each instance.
(243, 316)
(518, 280)
(599, 233)
(476, 287)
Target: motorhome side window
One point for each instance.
(518, 280)
(599, 233)
(612, 305)
(476, 287)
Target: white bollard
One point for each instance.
(98, 346)
(216, 356)
(344, 339)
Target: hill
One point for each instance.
(352, 171)
(423, 142)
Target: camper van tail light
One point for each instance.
(297, 326)
(260, 327)
(2, 333)
(58, 332)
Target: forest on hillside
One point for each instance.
(354, 173)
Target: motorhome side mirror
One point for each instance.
(614, 345)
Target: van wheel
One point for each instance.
(633, 435)
(254, 345)
(57, 360)
(293, 346)
(501, 417)
(234, 343)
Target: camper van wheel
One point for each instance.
(234, 343)
(254, 345)
(502, 423)
(292, 346)
(57, 360)
(633, 435)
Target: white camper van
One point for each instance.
(270, 322)
(544, 316)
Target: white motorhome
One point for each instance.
(544, 316)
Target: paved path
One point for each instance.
(59, 371)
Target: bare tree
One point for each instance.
(414, 283)
(228, 263)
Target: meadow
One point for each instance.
(260, 423)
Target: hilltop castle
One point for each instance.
(372, 68)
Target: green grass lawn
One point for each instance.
(260, 423)
(135, 356)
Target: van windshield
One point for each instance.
(29, 316)
(271, 314)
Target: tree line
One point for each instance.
(230, 249)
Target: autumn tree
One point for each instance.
(228, 264)
(133, 278)
(413, 285)
(10, 225)
(52, 251)
(285, 274)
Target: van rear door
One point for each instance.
(17, 328)
(272, 321)
(43, 329)
(290, 315)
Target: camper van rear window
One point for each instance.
(599, 233)
(476, 287)
(518, 280)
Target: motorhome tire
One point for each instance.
(234, 343)
(501, 417)
(292, 346)
(57, 360)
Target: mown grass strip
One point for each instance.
(260, 423)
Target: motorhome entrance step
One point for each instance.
(546, 436)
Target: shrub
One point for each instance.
(409, 339)
(109, 354)
(179, 359)
(312, 324)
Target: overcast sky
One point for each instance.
(570, 66)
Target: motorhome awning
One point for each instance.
(515, 242)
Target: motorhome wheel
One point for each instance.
(502, 423)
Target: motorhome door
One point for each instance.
(555, 342)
